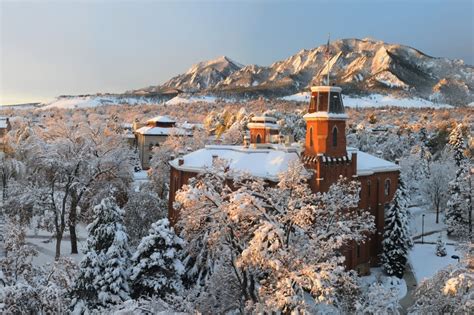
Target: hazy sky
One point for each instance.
(48, 48)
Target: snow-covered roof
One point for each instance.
(264, 117)
(325, 88)
(162, 119)
(161, 131)
(368, 164)
(263, 125)
(269, 162)
(266, 163)
(3, 122)
(326, 115)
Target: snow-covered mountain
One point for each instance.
(360, 66)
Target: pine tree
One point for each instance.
(458, 191)
(156, 265)
(440, 247)
(103, 276)
(457, 144)
(397, 240)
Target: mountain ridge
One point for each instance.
(359, 66)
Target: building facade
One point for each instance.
(324, 151)
(5, 126)
(153, 134)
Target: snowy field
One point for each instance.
(425, 263)
(374, 100)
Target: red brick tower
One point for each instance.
(325, 145)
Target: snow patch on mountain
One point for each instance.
(374, 100)
(72, 102)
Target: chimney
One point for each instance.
(246, 141)
(214, 159)
(180, 161)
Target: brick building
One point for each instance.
(324, 151)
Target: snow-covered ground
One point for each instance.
(45, 243)
(374, 100)
(194, 99)
(425, 263)
(431, 228)
(423, 257)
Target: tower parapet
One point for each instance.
(326, 123)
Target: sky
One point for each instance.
(51, 48)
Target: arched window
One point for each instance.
(334, 137)
(259, 139)
(387, 187)
(311, 136)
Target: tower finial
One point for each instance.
(327, 54)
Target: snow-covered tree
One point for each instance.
(396, 238)
(17, 263)
(26, 288)
(458, 207)
(174, 145)
(281, 242)
(457, 144)
(103, 276)
(142, 209)
(378, 300)
(449, 291)
(434, 187)
(440, 247)
(156, 268)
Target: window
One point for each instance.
(313, 103)
(387, 187)
(334, 137)
(368, 188)
(358, 250)
(259, 139)
(311, 136)
(335, 103)
(323, 102)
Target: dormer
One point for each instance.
(262, 128)
(326, 123)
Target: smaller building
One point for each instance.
(5, 126)
(153, 134)
(263, 129)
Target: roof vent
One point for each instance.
(214, 159)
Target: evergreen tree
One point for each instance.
(458, 204)
(440, 247)
(103, 276)
(457, 144)
(156, 265)
(397, 240)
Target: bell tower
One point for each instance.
(325, 144)
(326, 123)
